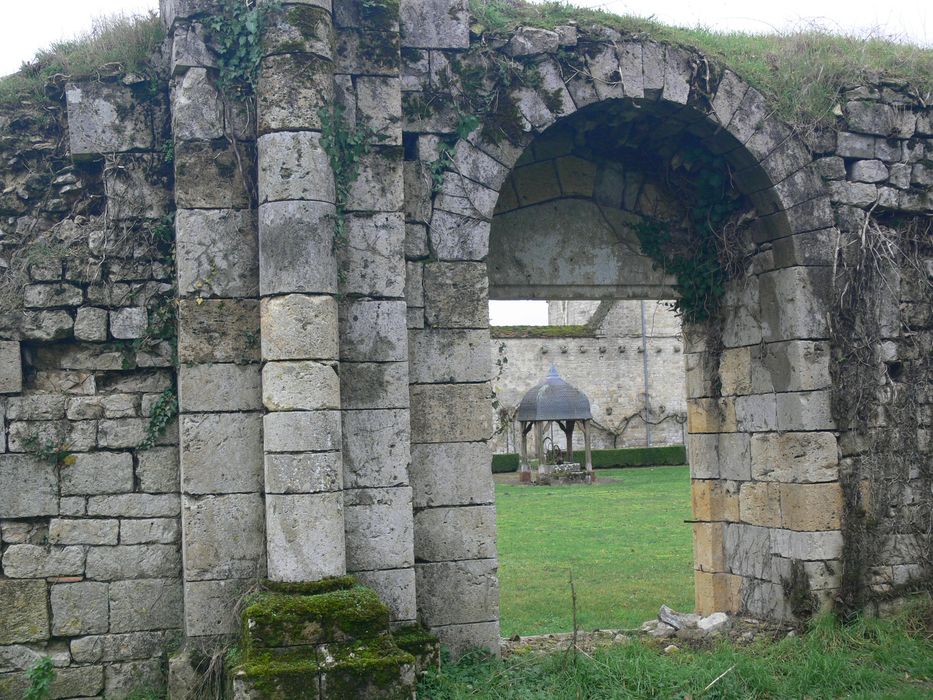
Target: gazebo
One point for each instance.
(553, 400)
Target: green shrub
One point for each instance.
(609, 459)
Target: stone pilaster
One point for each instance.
(298, 284)
(373, 337)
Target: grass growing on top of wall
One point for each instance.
(803, 71)
(115, 44)
(626, 541)
(871, 658)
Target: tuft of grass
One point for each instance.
(115, 44)
(804, 72)
(871, 658)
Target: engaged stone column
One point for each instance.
(298, 284)
(373, 336)
(218, 340)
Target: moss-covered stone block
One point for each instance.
(424, 646)
(374, 668)
(282, 620)
(279, 675)
(324, 585)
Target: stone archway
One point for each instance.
(766, 496)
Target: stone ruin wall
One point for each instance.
(607, 364)
(109, 560)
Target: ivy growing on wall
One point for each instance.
(235, 32)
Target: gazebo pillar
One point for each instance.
(524, 470)
(586, 448)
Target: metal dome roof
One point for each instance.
(554, 399)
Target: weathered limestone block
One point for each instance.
(129, 323)
(46, 326)
(379, 186)
(221, 453)
(371, 260)
(157, 469)
(807, 545)
(28, 487)
(33, 561)
(448, 534)
(748, 550)
(714, 500)
(302, 431)
(811, 506)
(456, 295)
(796, 365)
(121, 647)
(24, 611)
(308, 472)
(80, 436)
(527, 41)
(760, 503)
(83, 531)
(11, 367)
(298, 326)
(121, 680)
(133, 561)
(808, 410)
(219, 387)
(703, 456)
(756, 412)
(794, 303)
(135, 505)
(296, 248)
(450, 412)
(149, 531)
(379, 107)
(856, 194)
(40, 296)
(217, 252)
(735, 371)
(375, 448)
(79, 608)
(879, 119)
(434, 24)
(105, 118)
(708, 539)
(458, 236)
(365, 385)
(294, 88)
(91, 324)
(98, 473)
(765, 600)
(300, 385)
(210, 606)
(379, 530)
(121, 433)
(734, 451)
(218, 330)
(439, 356)
(729, 94)
(418, 185)
(223, 536)
(189, 50)
(869, 171)
(293, 555)
(451, 474)
(294, 165)
(373, 331)
(395, 588)
(102, 406)
(472, 584)
(208, 175)
(76, 681)
(197, 109)
(304, 28)
(712, 415)
(137, 606)
(717, 592)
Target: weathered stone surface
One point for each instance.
(395, 588)
(379, 107)
(77, 681)
(296, 248)
(24, 611)
(450, 412)
(105, 118)
(811, 506)
(300, 385)
(455, 236)
(63, 531)
(133, 561)
(438, 356)
(714, 500)
(450, 474)
(137, 606)
(98, 473)
(218, 330)
(760, 503)
(806, 545)
(40, 296)
(434, 24)
(157, 469)
(447, 534)
(197, 108)
(293, 556)
(221, 453)
(149, 531)
(28, 487)
(32, 561)
(298, 326)
(11, 368)
(460, 639)
(371, 260)
(530, 40)
(123, 680)
(880, 119)
(473, 584)
(748, 550)
(210, 606)
(295, 87)
(308, 472)
(121, 647)
(305, 28)
(80, 436)
(102, 406)
(869, 171)
(792, 366)
(219, 387)
(717, 592)
(223, 536)
(302, 431)
(366, 385)
(756, 412)
(379, 530)
(708, 552)
(456, 295)
(795, 457)
(189, 50)
(79, 608)
(207, 174)
(217, 252)
(380, 186)
(46, 325)
(294, 165)
(121, 432)
(373, 331)
(375, 448)
(135, 505)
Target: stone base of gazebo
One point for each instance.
(567, 473)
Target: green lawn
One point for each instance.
(626, 541)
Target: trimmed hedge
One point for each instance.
(610, 459)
